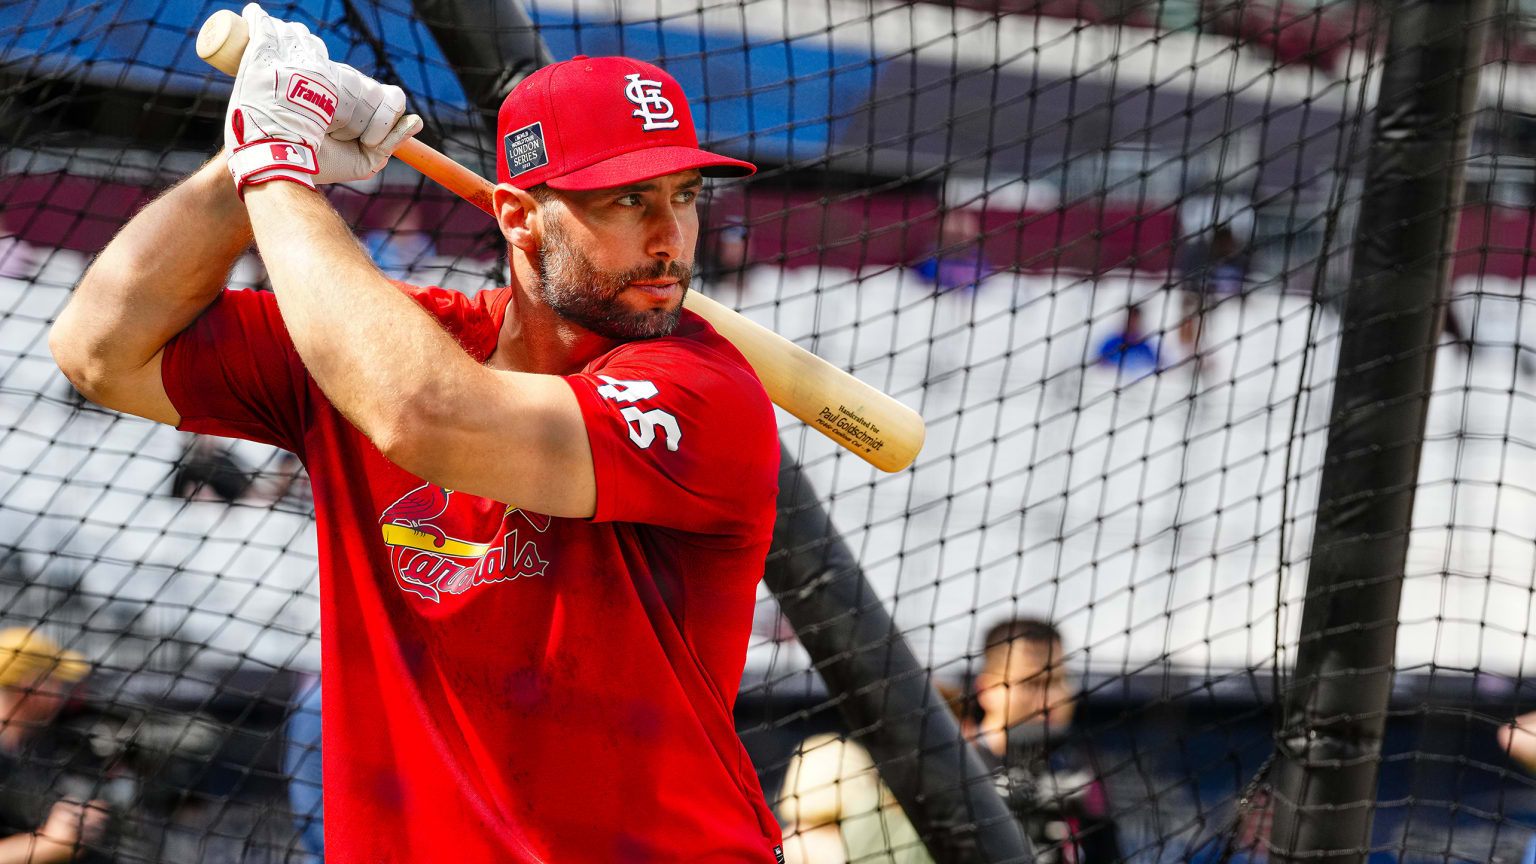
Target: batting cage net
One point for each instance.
(1216, 529)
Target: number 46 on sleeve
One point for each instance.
(642, 423)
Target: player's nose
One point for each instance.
(665, 239)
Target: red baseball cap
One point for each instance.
(597, 122)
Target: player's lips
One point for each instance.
(655, 287)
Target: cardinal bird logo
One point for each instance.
(429, 561)
(418, 507)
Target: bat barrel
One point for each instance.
(872, 425)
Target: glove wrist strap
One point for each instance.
(272, 159)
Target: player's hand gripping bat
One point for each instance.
(874, 426)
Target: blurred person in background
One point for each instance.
(1208, 269)
(835, 808)
(209, 472)
(1131, 351)
(38, 756)
(1027, 703)
(958, 261)
(1518, 739)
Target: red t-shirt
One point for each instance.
(500, 685)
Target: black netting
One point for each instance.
(1102, 246)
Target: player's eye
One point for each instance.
(630, 200)
(686, 196)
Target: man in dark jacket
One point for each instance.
(1027, 701)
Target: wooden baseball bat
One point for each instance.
(871, 424)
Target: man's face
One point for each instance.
(1027, 684)
(618, 261)
(31, 706)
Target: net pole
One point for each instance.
(885, 696)
(491, 45)
(1335, 709)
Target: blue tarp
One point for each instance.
(767, 100)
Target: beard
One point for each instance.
(585, 294)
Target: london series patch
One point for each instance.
(525, 149)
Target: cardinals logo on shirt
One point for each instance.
(429, 561)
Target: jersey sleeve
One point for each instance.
(234, 372)
(682, 437)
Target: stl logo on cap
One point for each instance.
(572, 125)
(645, 93)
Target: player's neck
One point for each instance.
(534, 338)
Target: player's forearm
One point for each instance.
(155, 277)
(369, 347)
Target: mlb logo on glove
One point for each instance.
(292, 154)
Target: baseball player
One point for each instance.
(542, 510)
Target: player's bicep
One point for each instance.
(512, 437)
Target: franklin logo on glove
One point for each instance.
(312, 96)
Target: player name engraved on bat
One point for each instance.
(850, 426)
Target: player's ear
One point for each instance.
(517, 215)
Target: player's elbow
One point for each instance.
(417, 443)
(72, 353)
(399, 445)
(404, 429)
(83, 350)
(427, 412)
(446, 431)
(393, 436)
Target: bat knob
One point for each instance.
(222, 40)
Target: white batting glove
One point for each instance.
(285, 97)
(345, 161)
(368, 127)
(367, 110)
(286, 87)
